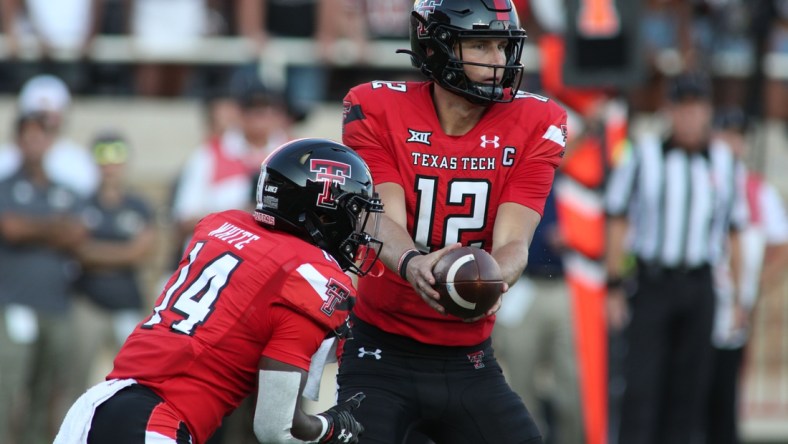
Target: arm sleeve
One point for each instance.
(533, 180)
(295, 337)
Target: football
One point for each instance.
(469, 282)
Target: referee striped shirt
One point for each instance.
(681, 204)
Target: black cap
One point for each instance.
(689, 86)
(258, 98)
(250, 92)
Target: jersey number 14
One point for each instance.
(195, 300)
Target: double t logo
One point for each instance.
(329, 172)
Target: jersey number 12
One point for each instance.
(478, 191)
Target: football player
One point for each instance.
(464, 158)
(250, 304)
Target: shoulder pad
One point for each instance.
(320, 291)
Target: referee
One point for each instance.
(675, 204)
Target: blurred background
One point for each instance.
(185, 82)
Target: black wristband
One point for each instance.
(403, 262)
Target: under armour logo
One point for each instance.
(362, 352)
(345, 436)
(419, 137)
(493, 141)
(476, 359)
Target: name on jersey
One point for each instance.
(453, 163)
(233, 235)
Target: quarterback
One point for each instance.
(465, 158)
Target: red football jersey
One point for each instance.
(453, 185)
(241, 292)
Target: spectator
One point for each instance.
(764, 261)
(724, 37)
(678, 200)
(39, 232)
(121, 237)
(219, 174)
(260, 20)
(63, 28)
(384, 19)
(164, 28)
(776, 88)
(66, 162)
(666, 33)
(543, 368)
(376, 20)
(222, 115)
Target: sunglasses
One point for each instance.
(109, 153)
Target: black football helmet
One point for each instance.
(436, 26)
(322, 192)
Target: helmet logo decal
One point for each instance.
(329, 172)
(494, 141)
(425, 8)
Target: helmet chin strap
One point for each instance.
(320, 240)
(314, 232)
(416, 60)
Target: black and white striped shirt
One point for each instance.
(681, 204)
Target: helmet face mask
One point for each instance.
(360, 250)
(322, 192)
(436, 34)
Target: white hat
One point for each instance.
(44, 93)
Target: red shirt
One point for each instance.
(453, 186)
(241, 292)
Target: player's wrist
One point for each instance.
(402, 264)
(325, 428)
(614, 283)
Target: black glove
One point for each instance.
(342, 426)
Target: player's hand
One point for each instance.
(494, 309)
(742, 318)
(419, 274)
(617, 309)
(342, 426)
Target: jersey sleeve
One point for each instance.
(295, 337)
(361, 132)
(533, 180)
(321, 292)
